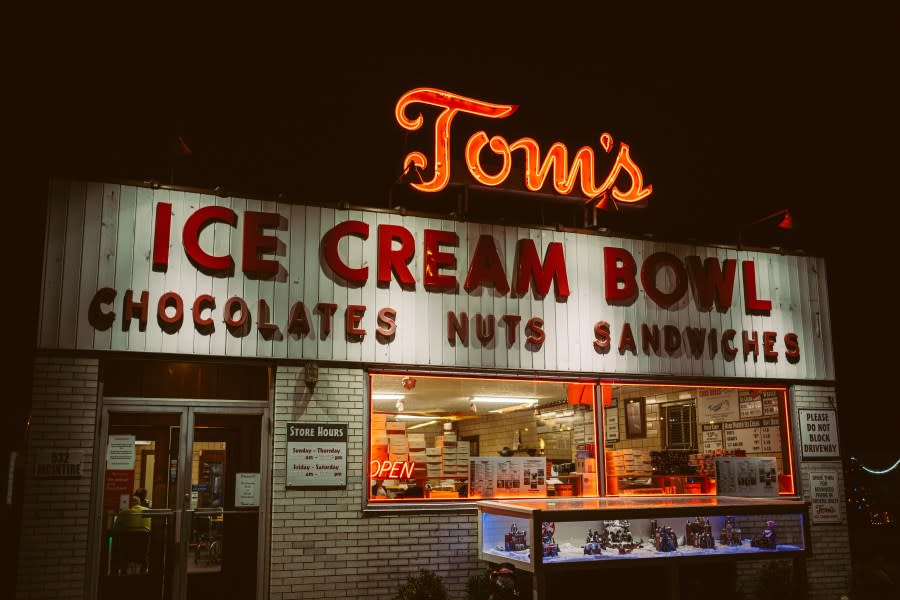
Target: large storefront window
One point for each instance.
(666, 439)
(452, 438)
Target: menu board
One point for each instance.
(753, 436)
(316, 455)
(712, 438)
(508, 476)
(758, 403)
(746, 476)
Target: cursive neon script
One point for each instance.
(564, 176)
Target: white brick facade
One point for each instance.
(54, 545)
(828, 563)
(322, 544)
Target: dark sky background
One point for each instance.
(729, 120)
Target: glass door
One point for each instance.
(181, 502)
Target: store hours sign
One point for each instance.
(316, 455)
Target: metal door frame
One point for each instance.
(187, 409)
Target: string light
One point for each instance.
(879, 471)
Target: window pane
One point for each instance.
(451, 438)
(686, 433)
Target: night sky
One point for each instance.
(730, 123)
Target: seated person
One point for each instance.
(131, 533)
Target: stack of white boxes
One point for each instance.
(398, 445)
(454, 455)
(417, 454)
(432, 462)
(629, 463)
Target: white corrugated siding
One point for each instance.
(100, 235)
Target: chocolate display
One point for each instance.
(594, 543)
(698, 533)
(617, 535)
(515, 540)
(730, 534)
(666, 539)
(766, 539)
(550, 547)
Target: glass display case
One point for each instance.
(599, 531)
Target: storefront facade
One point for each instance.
(204, 347)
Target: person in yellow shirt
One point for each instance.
(132, 537)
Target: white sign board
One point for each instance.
(717, 405)
(316, 455)
(819, 434)
(516, 476)
(612, 424)
(120, 453)
(294, 282)
(246, 489)
(825, 496)
(746, 476)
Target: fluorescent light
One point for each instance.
(411, 417)
(505, 400)
(381, 396)
(511, 408)
(426, 424)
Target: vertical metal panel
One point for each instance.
(366, 350)
(296, 222)
(311, 278)
(106, 267)
(283, 284)
(186, 284)
(71, 273)
(233, 340)
(252, 342)
(123, 254)
(325, 348)
(143, 277)
(826, 350)
(54, 257)
(202, 284)
(156, 281)
(90, 263)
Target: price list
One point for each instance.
(752, 436)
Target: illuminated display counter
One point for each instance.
(608, 531)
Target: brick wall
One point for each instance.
(322, 545)
(53, 554)
(828, 565)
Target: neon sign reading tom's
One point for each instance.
(565, 176)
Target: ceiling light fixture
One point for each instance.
(413, 417)
(505, 400)
(383, 396)
(425, 424)
(511, 408)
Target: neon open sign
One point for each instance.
(582, 169)
(391, 469)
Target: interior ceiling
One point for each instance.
(450, 395)
(445, 396)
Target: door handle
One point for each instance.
(178, 516)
